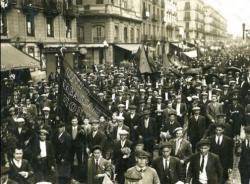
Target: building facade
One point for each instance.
(200, 21)
(215, 26)
(39, 27)
(191, 16)
(105, 24)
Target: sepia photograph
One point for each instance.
(125, 92)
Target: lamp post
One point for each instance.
(105, 43)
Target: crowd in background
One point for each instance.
(175, 117)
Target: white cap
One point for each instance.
(123, 132)
(19, 120)
(46, 109)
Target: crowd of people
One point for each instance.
(177, 128)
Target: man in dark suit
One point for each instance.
(167, 130)
(222, 146)
(43, 157)
(243, 150)
(204, 167)
(96, 137)
(21, 132)
(167, 167)
(181, 110)
(120, 147)
(98, 167)
(77, 136)
(181, 149)
(147, 131)
(196, 127)
(62, 145)
(131, 120)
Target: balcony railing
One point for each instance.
(52, 8)
(35, 4)
(110, 9)
(31, 7)
(70, 11)
(98, 39)
(155, 17)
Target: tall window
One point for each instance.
(98, 34)
(187, 6)
(125, 34)
(116, 33)
(125, 4)
(138, 36)
(30, 25)
(132, 35)
(50, 27)
(68, 29)
(80, 34)
(3, 24)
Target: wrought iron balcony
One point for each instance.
(155, 17)
(32, 6)
(70, 11)
(52, 8)
(98, 39)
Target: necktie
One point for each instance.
(202, 163)
(96, 165)
(166, 164)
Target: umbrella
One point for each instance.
(233, 68)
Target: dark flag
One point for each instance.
(76, 97)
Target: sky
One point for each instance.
(236, 12)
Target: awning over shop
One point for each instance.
(94, 45)
(130, 47)
(181, 45)
(59, 45)
(191, 54)
(12, 58)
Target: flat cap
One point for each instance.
(94, 121)
(123, 132)
(43, 131)
(222, 125)
(203, 142)
(19, 120)
(142, 154)
(166, 145)
(46, 109)
(196, 108)
(132, 107)
(177, 129)
(121, 105)
(96, 147)
(172, 112)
